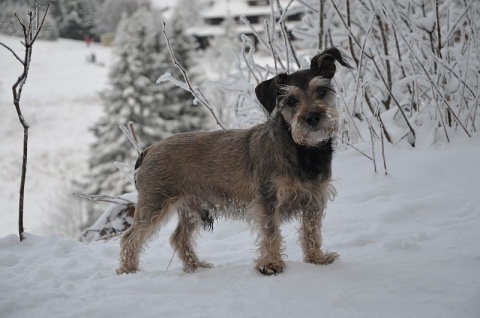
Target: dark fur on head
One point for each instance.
(276, 171)
(321, 65)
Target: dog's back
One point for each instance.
(197, 164)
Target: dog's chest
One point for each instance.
(314, 164)
(295, 194)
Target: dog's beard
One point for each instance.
(307, 135)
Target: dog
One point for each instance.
(274, 172)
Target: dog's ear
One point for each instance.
(267, 93)
(324, 63)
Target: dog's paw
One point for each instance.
(205, 265)
(192, 267)
(324, 258)
(270, 268)
(122, 270)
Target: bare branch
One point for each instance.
(286, 38)
(350, 35)
(244, 55)
(272, 50)
(104, 198)
(131, 127)
(257, 35)
(17, 89)
(187, 80)
(37, 31)
(345, 24)
(132, 138)
(383, 144)
(349, 144)
(308, 6)
(24, 28)
(439, 32)
(13, 52)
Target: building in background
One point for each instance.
(224, 17)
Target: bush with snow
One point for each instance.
(116, 219)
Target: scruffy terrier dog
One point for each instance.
(274, 172)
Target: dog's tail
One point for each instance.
(139, 161)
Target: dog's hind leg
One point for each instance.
(311, 239)
(183, 239)
(147, 218)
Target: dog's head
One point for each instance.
(306, 98)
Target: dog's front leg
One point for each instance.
(311, 238)
(270, 239)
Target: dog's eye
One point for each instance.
(321, 92)
(291, 102)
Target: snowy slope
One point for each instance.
(409, 241)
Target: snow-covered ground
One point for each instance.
(409, 241)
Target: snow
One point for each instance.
(114, 220)
(408, 241)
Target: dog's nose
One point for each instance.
(313, 118)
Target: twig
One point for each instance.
(344, 23)
(13, 52)
(272, 50)
(351, 145)
(273, 20)
(383, 144)
(267, 44)
(321, 17)
(244, 55)
(131, 127)
(257, 35)
(131, 137)
(370, 128)
(387, 61)
(170, 263)
(308, 6)
(104, 198)
(439, 33)
(287, 40)
(350, 35)
(342, 97)
(187, 80)
(127, 170)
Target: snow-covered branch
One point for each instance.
(193, 90)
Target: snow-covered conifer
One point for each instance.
(77, 19)
(111, 12)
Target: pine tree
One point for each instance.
(111, 12)
(78, 19)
